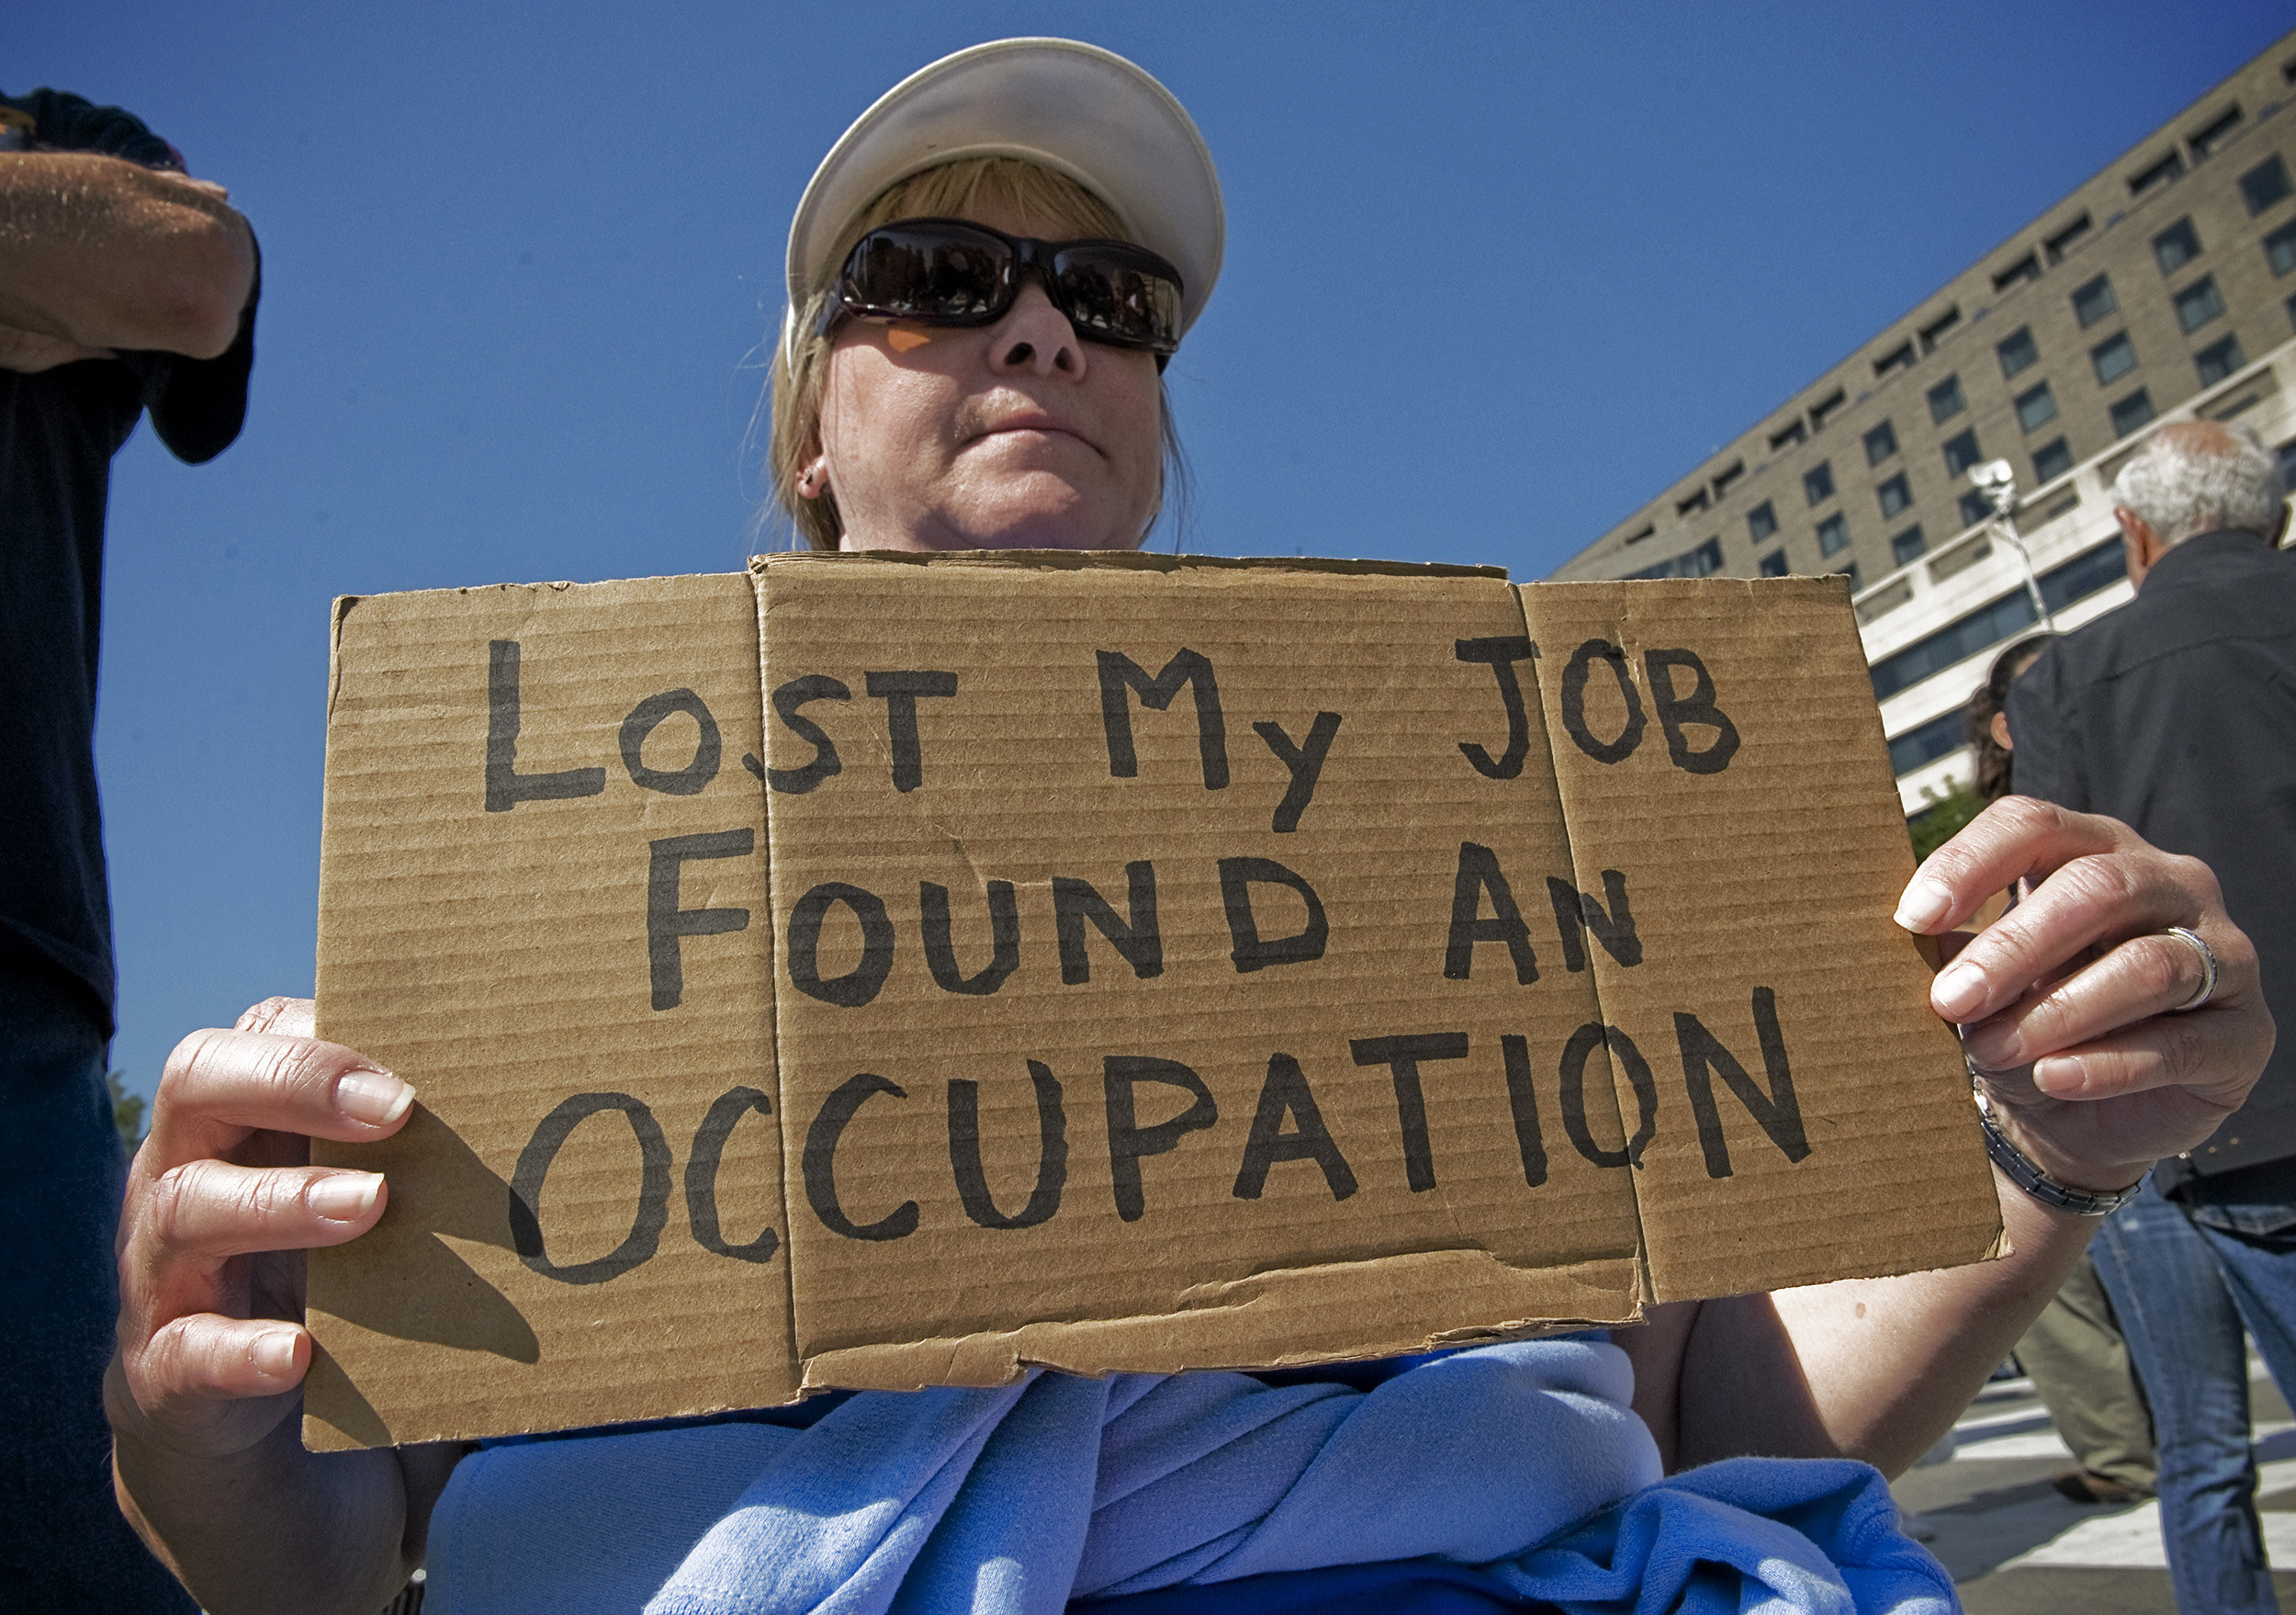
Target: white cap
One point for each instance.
(1071, 108)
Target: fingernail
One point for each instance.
(374, 1096)
(344, 1197)
(2060, 1077)
(1925, 903)
(1957, 992)
(274, 1352)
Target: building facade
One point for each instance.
(2162, 289)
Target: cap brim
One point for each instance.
(1072, 108)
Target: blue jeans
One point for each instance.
(64, 1546)
(2186, 1278)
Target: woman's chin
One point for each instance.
(1064, 524)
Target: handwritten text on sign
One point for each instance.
(1602, 714)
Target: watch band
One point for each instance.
(2023, 1170)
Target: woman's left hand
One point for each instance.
(2070, 1001)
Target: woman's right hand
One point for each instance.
(203, 1394)
(222, 1204)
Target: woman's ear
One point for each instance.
(813, 480)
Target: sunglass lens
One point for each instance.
(926, 275)
(1110, 298)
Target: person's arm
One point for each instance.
(1876, 1368)
(99, 253)
(204, 1395)
(2070, 1012)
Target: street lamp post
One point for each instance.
(1997, 479)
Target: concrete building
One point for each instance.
(2162, 289)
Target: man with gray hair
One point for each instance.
(2177, 714)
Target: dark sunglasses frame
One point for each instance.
(1021, 255)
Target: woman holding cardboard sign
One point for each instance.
(971, 360)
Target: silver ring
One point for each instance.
(2208, 968)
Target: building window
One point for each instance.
(1773, 564)
(1834, 534)
(1817, 482)
(1760, 522)
(2208, 138)
(2264, 185)
(1825, 411)
(1880, 443)
(2057, 246)
(1727, 475)
(1961, 453)
(1974, 508)
(2018, 353)
(2174, 247)
(2280, 249)
(1945, 399)
(1895, 495)
(1908, 546)
(1934, 331)
(2132, 412)
(1957, 641)
(2052, 461)
(2026, 268)
(1897, 358)
(2199, 303)
(2290, 306)
(2094, 569)
(2036, 408)
(2219, 359)
(1701, 562)
(2113, 359)
(2160, 172)
(1851, 572)
(1784, 437)
(1697, 502)
(2093, 301)
(2286, 455)
(1923, 745)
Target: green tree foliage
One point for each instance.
(126, 1113)
(1946, 813)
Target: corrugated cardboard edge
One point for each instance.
(792, 1148)
(323, 1382)
(1126, 560)
(1644, 1285)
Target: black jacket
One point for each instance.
(2177, 714)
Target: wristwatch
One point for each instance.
(2023, 1170)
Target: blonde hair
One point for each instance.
(952, 190)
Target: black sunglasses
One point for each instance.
(954, 272)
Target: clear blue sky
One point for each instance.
(1496, 272)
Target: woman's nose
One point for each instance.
(1034, 336)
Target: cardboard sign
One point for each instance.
(883, 972)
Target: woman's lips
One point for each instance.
(1041, 425)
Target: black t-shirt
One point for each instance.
(59, 430)
(2177, 714)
